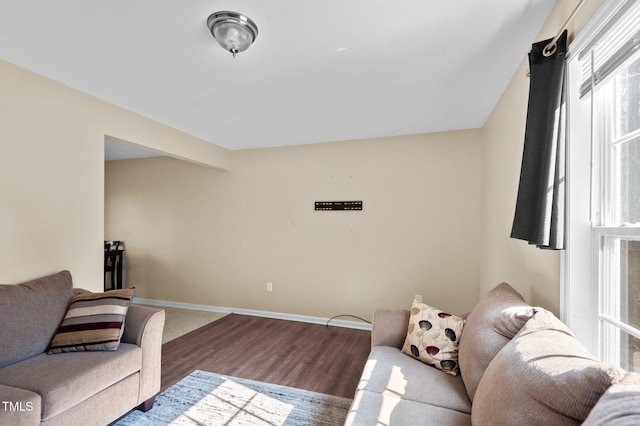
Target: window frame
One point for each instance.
(581, 302)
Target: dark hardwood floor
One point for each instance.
(290, 353)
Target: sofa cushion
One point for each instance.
(372, 408)
(30, 313)
(543, 376)
(390, 372)
(93, 322)
(65, 380)
(19, 406)
(620, 404)
(489, 327)
(433, 336)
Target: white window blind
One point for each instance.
(613, 44)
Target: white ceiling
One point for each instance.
(319, 71)
(115, 149)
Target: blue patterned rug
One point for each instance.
(204, 398)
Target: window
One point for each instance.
(601, 285)
(616, 219)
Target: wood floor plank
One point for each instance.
(290, 353)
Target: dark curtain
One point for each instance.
(539, 215)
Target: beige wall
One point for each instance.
(256, 223)
(202, 236)
(535, 273)
(52, 174)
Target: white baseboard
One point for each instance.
(266, 314)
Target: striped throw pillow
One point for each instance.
(94, 322)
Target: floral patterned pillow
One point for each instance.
(433, 337)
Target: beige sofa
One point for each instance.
(88, 388)
(519, 365)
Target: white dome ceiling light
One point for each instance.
(233, 31)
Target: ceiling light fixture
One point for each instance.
(233, 31)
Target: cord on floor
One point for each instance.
(346, 315)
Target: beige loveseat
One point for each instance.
(77, 388)
(519, 365)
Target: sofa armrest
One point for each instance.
(136, 322)
(143, 327)
(389, 327)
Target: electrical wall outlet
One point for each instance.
(418, 298)
(269, 286)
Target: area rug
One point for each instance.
(204, 398)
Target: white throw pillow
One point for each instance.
(433, 336)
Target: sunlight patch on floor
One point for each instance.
(232, 403)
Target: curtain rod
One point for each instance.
(550, 48)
